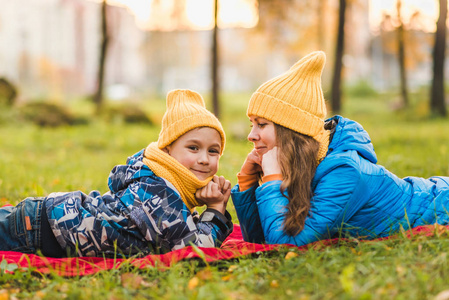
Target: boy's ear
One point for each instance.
(166, 150)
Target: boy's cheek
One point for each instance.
(216, 167)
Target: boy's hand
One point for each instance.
(215, 194)
(252, 164)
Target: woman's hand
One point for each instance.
(215, 194)
(270, 163)
(252, 164)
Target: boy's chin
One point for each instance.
(201, 176)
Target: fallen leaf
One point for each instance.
(440, 229)
(64, 287)
(4, 295)
(131, 280)
(226, 277)
(232, 268)
(355, 251)
(274, 283)
(193, 283)
(204, 275)
(400, 270)
(347, 278)
(290, 255)
(40, 295)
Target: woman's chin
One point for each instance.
(260, 153)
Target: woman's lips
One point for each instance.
(260, 150)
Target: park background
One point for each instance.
(71, 110)
(52, 49)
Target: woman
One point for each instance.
(309, 179)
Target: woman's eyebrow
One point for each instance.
(257, 119)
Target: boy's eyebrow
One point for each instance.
(199, 142)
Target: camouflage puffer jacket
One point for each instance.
(141, 214)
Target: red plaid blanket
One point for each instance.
(234, 246)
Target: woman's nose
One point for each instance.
(253, 136)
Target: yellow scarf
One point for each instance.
(165, 166)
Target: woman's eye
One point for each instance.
(261, 125)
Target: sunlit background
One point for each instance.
(194, 14)
(244, 12)
(50, 48)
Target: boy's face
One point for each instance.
(198, 150)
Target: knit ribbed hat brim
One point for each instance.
(186, 110)
(295, 99)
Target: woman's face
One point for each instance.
(262, 134)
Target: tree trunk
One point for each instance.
(98, 97)
(215, 82)
(401, 57)
(80, 46)
(321, 24)
(437, 103)
(339, 50)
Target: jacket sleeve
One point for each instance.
(163, 218)
(248, 214)
(336, 198)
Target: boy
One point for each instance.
(150, 204)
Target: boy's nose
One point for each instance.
(203, 158)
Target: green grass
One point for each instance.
(35, 162)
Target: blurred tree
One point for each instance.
(295, 27)
(437, 103)
(80, 45)
(414, 40)
(401, 55)
(338, 62)
(98, 96)
(273, 18)
(321, 24)
(215, 80)
(8, 92)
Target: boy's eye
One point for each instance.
(193, 147)
(214, 151)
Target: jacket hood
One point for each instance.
(122, 176)
(350, 135)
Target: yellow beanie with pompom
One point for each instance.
(295, 100)
(186, 111)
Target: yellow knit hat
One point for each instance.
(295, 100)
(186, 111)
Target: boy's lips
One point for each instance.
(200, 171)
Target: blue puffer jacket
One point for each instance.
(352, 195)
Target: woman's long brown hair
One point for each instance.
(298, 161)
